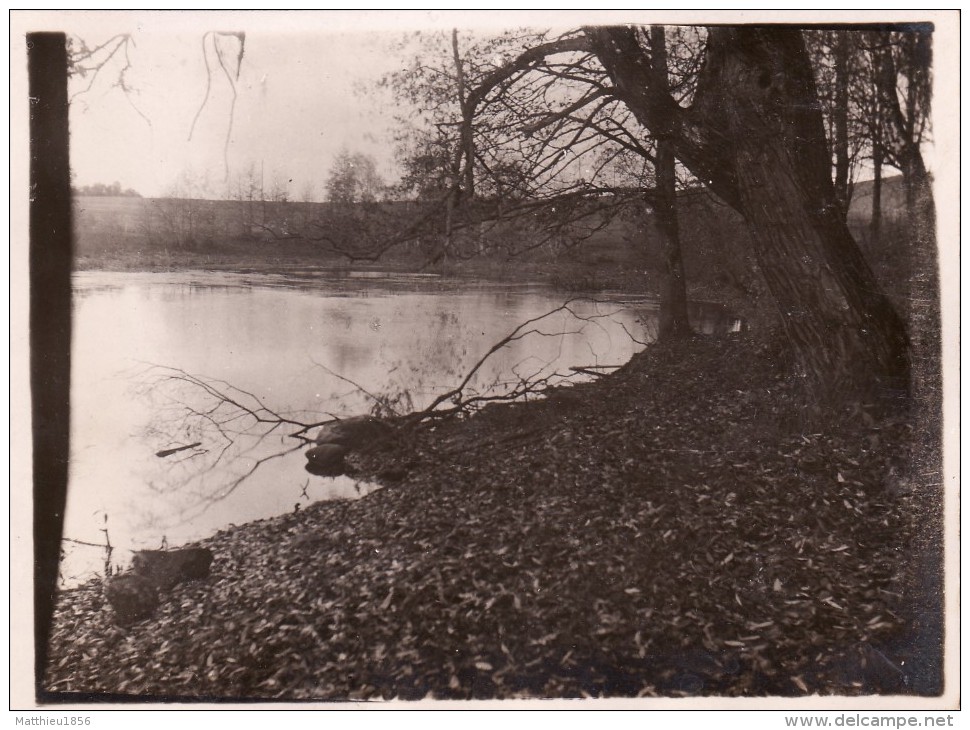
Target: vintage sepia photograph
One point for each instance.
(443, 356)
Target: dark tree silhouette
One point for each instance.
(754, 134)
(50, 318)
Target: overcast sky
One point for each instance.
(302, 93)
(299, 102)
(299, 91)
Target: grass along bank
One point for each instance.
(671, 530)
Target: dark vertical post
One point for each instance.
(50, 317)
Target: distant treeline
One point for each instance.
(131, 232)
(113, 190)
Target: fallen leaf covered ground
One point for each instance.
(676, 529)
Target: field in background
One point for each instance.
(122, 233)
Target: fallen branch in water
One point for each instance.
(168, 452)
(106, 546)
(242, 428)
(100, 546)
(382, 402)
(532, 385)
(593, 369)
(587, 371)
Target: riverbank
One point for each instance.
(299, 261)
(671, 530)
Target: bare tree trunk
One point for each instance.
(875, 225)
(920, 207)
(466, 151)
(674, 321)
(467, 113)
(902, 132)
(841, 114)
(924, 293)
(449, 221)
(843, 328)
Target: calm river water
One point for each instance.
(284, 340)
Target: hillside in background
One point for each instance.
(165, 233)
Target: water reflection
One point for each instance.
(284, 340)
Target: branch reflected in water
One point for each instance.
(231, 433)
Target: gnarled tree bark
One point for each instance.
(755, 135)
